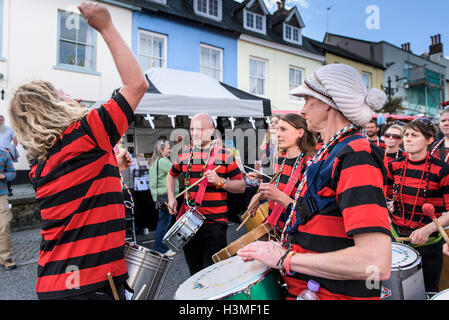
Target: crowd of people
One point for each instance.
(341, 197)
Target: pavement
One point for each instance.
(19, 284)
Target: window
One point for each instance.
(209, 8)
(152, 50)
(292, 34)
(211, 62)
(76, 43)
(257, 76)
(366, 79)
(253, 21)
(294, 80)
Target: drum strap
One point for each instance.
(430, 241)
(278, 208)
(203, 184)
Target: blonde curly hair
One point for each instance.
(39, 116)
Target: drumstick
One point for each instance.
(257, 171)
(114, 290)
(251, 206)
(429, 210)
(403, 239)
(198, 181)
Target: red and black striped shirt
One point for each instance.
(441, 151)
(412, 183)
(79, 194)
(357, 183)
(393, 156)
(379, 143)
(214, 206)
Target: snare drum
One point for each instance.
(443, 295)
(183, 230)
(233, 279)
(147, 270)
(406, 281)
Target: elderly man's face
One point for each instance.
(201, 131)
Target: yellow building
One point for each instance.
(372, 73)
(273, 57)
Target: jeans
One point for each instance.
(162, 226)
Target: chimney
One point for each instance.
(436, 46)
(283, 4)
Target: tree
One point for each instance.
(393, 106)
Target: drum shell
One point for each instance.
(145, 267)
(183, 230)
(267, 288)
(406, 283)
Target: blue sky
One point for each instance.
(400, 21)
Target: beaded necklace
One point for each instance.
(436, 147)
(398, 190)
(325, 149)
(190, 201)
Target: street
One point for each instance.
(19, 284)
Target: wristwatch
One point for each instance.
(221, 183)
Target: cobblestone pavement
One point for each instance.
(19, 284)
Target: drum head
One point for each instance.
(221, 280)
(443, 295)
(402, 255)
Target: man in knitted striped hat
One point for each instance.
(337, 225)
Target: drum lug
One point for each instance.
(247, 292)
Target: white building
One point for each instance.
(45, 40)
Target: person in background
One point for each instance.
(393, 141)
(160, 166)
(8, 141)
(440, 148)
(7, 173)
(372, 133)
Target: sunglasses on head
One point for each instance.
(425, 121)
(392, 135)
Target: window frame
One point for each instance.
(207, 46)
(265, 83)
(369, 78)
(152, 34)
(255, 15)
(219, 15)
(293, 29)
(290, 97)
(70, 67)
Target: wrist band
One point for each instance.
(287, 263)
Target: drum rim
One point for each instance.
(237, 290)
(409, 265)
(146, 251)
(446, 291)
(181, 221)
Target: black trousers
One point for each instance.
(209, 239)
(432, 263)
(104, 293)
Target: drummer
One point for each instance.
(416, 179)
(195, 162)
(339, 229)
(297, 145)
(440, 149)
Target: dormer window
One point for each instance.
(209, 8)
(292, 34)
(254, 22)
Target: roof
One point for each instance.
(344, 53)
(231, 24)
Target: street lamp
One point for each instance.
(389, 90)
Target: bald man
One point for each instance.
(195, 162)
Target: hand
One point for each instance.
(172, 206)
(420, 236)
(96, 15)
(212, 177)
(269, 191)
(268, 253)
(254, 205)
(253, 175)
(2, 176)
(124, 160)
(390, 206)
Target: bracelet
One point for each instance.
(281, 260)
(287, 262)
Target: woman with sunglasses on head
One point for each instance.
(416, 179)
(393, 140)
(440, 149)
(297, 145)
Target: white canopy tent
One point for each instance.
(184, 93)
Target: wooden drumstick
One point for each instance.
(196, 182)
(252, 205)
(114, 290)
(429, 210)
(403, 239)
